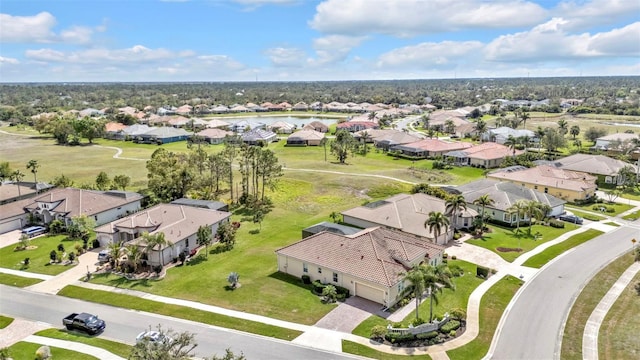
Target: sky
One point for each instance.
(308, 40)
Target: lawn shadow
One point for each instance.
(196, 260)
(290, 279)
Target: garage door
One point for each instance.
(367, 292)
(10, 225)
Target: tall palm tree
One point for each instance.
(33, 166)
(563, 126)
(435, 222)
(574, 131)
(453, 205)
(481, 128)
(540, 132)
(17, 177)
(483, 201)
(524, 116)
(518, 208)
(532, 210)
(511, 142)
(156, 240)
(435, 279)
(115, 249)
(416, 277)
(134, 254)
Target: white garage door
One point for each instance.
(367, 292)
(10, 225)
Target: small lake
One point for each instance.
(621, 124)
(268, 120)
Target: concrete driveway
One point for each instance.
(10, 238)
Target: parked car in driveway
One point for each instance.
(104, 256)
(571, 218)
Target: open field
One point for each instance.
(618, 337)
(27, 350)
(588, 299)
(114, 347)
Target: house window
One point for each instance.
(400, 287)
(187, 242)
(335, 277)
(505, 217)
(305, 268)
(535, 187)
(319, 270)
(95, 217)
(546, 190)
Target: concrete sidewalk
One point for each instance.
(592, 328)
(100, 353)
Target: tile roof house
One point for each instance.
(164, 135)
(11, 191)
(386, 138)
(282, 127)
(305, 138)
(429, 148)
(179, 223)
(353, 126)
(613, 141)
(244, 125)
(504, 195)
(214, 136)
(215, 123)
(407, 213)
(604, 167)
(258, 136)
(370, 263)
(501, 134)
(317, 126)
(486, 155)
(564, 184)
(64, 204)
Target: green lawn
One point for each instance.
(140, 304)
(492, 305)
(539, 260)
(5, 321)
(26, 350)
(17, 281)
(586, 215)
(611, 223)
(633, 216)
(618, 336)
(619, 208)
(39, 256)
(351, 347)
(588, 299)
(448, 300)
(117, 348)
(507, 238)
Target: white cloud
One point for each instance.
(76, 35)
(550, 41)
(35, 28)
(412, 17)
(135, 54)
(428, 55)
(286, 57)
(583, 15)
(8, 60)
(334, 48)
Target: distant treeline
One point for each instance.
(610, 94)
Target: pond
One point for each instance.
(268, 120)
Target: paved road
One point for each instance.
(533, 327)
(123, 325)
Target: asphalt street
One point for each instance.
(533, 327)
(123, 325)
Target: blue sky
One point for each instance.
(305, 40)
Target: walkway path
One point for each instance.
(592, 328)
(100, 353)
(119, 152)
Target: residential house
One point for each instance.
(205, 204)
(605, 168)
(317, 126)
(214, 136)
(179, 223)
(407, 213)
(245, 125)
(502, 134)
(133, 132)
(164, 135)
(305, 138)
(504, 195)
(617, 142)
(353, 126)
(430, 148)
(371, 263)
(486, 155)
(259, 136)
(113, 130)
(215, 123)
(11, 191)
(564, 184)
(301, 106)
(220, 109)
(386, 138)
(282, 127)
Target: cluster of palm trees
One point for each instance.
(529, 209)
(432, 278)
(437, 221)
(134, 252)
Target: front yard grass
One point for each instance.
(27, 350)
(448, 300)
(17, 281)
(633, 216)
(492, 305)
(618, 207)
(182, 312)
(586, 215)
(509, 239)
(618, 336)
(114, 347)
(39, 256)
(588, 299)
(611, 223)
(539, 260)
(351, 347)
(5, 321)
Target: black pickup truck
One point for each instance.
(84, 322)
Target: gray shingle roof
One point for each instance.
(505, 194)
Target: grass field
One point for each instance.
(539, 260)
(618, 207)
(618, 336)
(448, 300)
(588, 299)
(5, 321)
(38, 256)
(17, 281)
(361, 350)
(492, 305)
(502, 237)
(26, 350)
(117, 348)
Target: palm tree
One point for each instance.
(435, 223)
(574, 131)
(425, 121)
(518, 208)
(453, 205)
(563, 126)
(416, 277)
(481, 128)
(449, 126)
(115, 248)
(540, 132)
(532, 210)
(33, 166)
(511, 142)
(156, 240)
(483, 201)
(524, 116)
(17, 177)
(134, 254)
(435, 279)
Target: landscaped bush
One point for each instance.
(451, 325)
(398, 338)
(427, 336)
(417, 321)
(610, 209)
(556, 224)
(379, 332)
(452, 333)
(342, 291)
(482, 272)
(318, 287)
(306, 279)
(456, 270)
(454, 257)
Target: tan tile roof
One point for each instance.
(14, 208)
(490, 151)
(74, 202)
(592, 164)
(175, 221)
(114, 126)
(437, 145)
(406, 212)
(374, 254)
(214, 133)
(549, 176)
(10, 190)
(307, 135)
